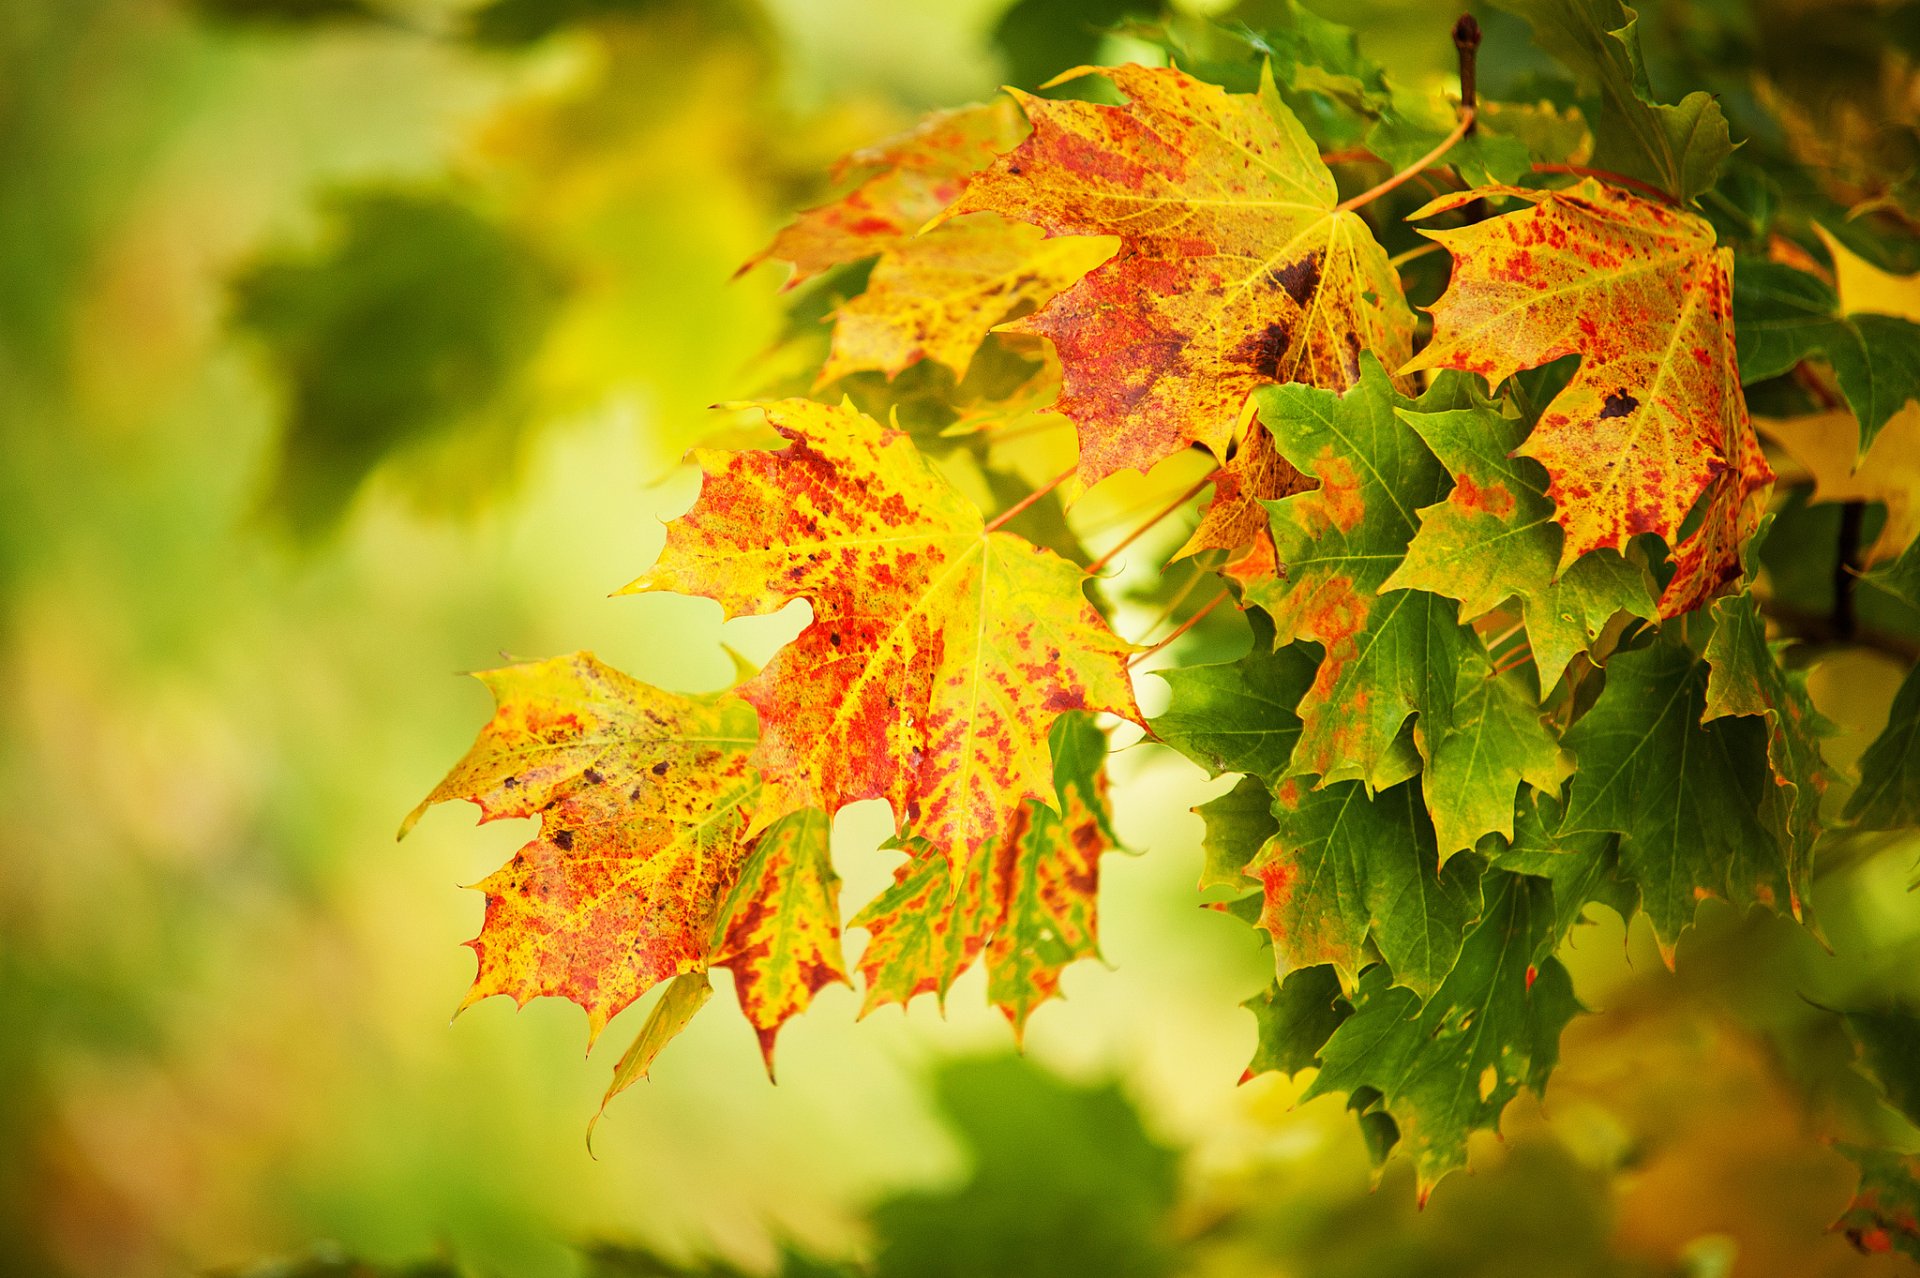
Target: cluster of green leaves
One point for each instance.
(1522, 642)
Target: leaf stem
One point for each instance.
(1140, 529)
(1183, 627)
(1413, 170)
(1605, 175)
(1399, 260)
(1014, 511)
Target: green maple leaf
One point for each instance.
(1495, 538)
(1677, 148)
(1746, 678)
(1343, 870)
(1295, 1018)
(1782, 316)
(1446, 1068)
(1386, 657)
(1888, 797)
(1684, 796)
(1494, 740)
(1238, 716)
(1238, 825)
(1582, 868)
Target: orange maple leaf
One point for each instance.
(940, 651)
(643, 798)
(1654, 417)
(933, 296)
(1236, 268)
(1236, 518)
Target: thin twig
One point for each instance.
(1140, 529)
(1014, 510)
(1399, 260)
(1183, 627)
(1412, 171)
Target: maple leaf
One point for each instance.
(1684, 795)
(1236, 515)
(1028, 903)
(1237, 824)
(1386, 656)
(780, 931)
(1238, 716)
(1677, 148)
(1495, 538)
(1783, 316)
(643, 798)
(1888, 472)
(1493, 740)
(1888, 797)
(939, 653)
(1294, 1018)
(1746, 677)
(1654, 414)
(1447, 1067)
(934, 296)
(1236, 269)
(1343, 869)
(1582, 867)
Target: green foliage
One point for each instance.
(417, 315)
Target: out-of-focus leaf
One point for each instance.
(284, 13)
(1038, 39)
(516, 22)
(417, 316)
(1066, 1183)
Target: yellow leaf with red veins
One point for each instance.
(643, 798)
(910, 179)
(1236, 518)
(1235, 268)
(939, 653)
(939, 296)
(1654, 415)
(933, 296)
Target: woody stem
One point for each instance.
(1413, 170)
(1140, 529)
(1014, 511)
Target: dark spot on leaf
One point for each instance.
(660, 768)
(1299, 279)
(834, 638)
(592, 776)
(1619, 404)
(563, 839)
(1264, 350)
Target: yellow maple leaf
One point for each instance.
(1889, 472)
(1236, 267)
(643, 798)
(1654, 415)
(940, 650)
(935, 295)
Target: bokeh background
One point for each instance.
(346, 345)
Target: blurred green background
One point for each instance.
(346, 345)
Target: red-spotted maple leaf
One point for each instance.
(1027, 903)
(933, 296)
(643, 798)
(1236, 268)
(1654, 417)
(940, 651)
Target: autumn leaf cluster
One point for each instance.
(1496, 402)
